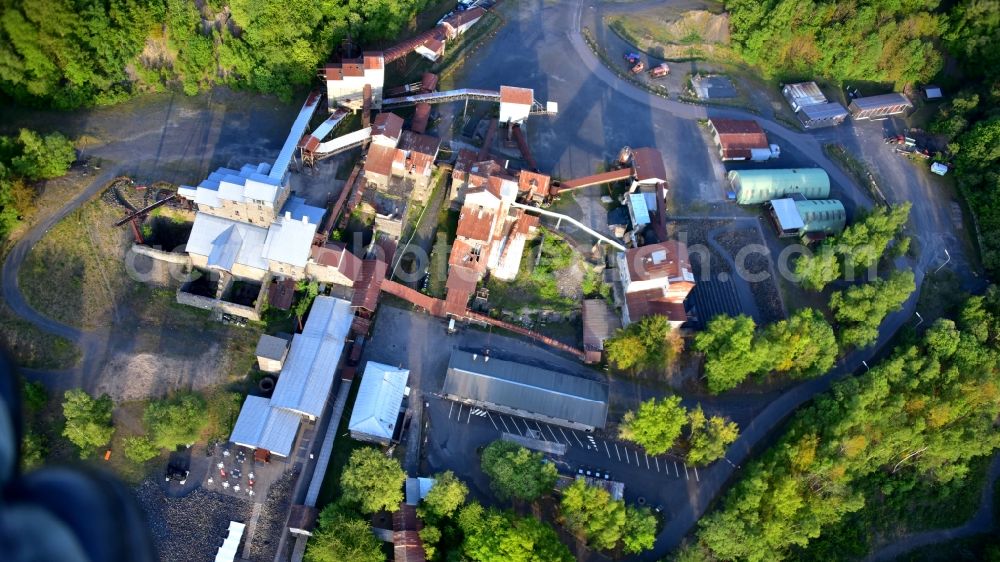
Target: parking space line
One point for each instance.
(647, 461)
(551, 433)
(459, 417)
(626, 456)
(468, 418)
(676, 472)
(636, 457)
(491, 420)
(686, 475)
(696, 479)
(564, 436)
(451, 409)
(540, 432)
(577, 437)
(606, 450)
(503, 422)
(657, 461)
(617, 453)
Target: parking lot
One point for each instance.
(460, 430)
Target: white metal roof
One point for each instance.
(226, 242)
(640, 212)
(307, 376)
(298, 208)
(294, 134)
(787, 213)
(271, 347)
(377, 405)
(250, 182)
(289, 241)
(262, 426)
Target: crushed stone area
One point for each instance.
(765, 292)
(134, 376)
(271, 522)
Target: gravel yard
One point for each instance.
(765, 293)
(271, 522)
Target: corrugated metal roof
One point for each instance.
(289, 241)
(298, 208)
(599, 323)
(526, 387)
(830, 110)
(637, 203)
(294, 134)
(826, 215)
(805, 94)
(787, 214)
(884, 100)
(376, 407)
(262, 426)
(271, 347)
(307, 376)
(227, 241)
(648, 165)
(517, 96)
(758, 186)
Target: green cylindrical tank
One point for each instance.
(826, 215)
(753, 187)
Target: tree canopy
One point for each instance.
(492, 536)
(709, 437)
(730, 355)
(175, 421)
(372, 481)
(656, 425)
(647, 343)
(445, 496)
(26, 158)
(860, 309)
(590, 512)
(919, 416)
(88, 420)
(516, 472)
(339, 536)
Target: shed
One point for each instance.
(376, 408)
(599, 323)
(785, 216)
(271, 353)
(417, 489)
(827, 216)
(526, 390)
(933, 93)
(803, 94)
(741, 139)
(822, 115)
(873, 107)
(753, 187)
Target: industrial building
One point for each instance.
(812, 107)
(378, 405)
(753, 187)
(874, 107)
(655, 279)
(815, 219)
(739, 139)
(262, 426)
(525, 390)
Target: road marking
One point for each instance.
(540, 432)
(504, 423)
(468, 418)
(564, 436)
(696, 479)
(459, 418)
(451, 409)
(517, 427)
(578, 438)
(617, 453)
(626, 455)
(492, 422)
(686, 475)
(636, 457)
(606, 450)
(657, 461)
(678, 474)
(647, 461)
(552, 433)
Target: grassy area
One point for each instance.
(856, 168)
(32, 348)
(536, 285)
(76, 274)
(444, 235)
(329, 492)
(676, 34)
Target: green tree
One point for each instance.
(817, 270)
(88, 420)
(491, 536)
(709, 437)
(864, 242)
(41, 157)
(656, 425)
(730, 355)
(625, 350)
(34, 449)
(640, 530)
(516, 472)
(646, 343)
(802, 346)
(859, 310)
(445, 496)
(372, 481)
(139, 449)
(430, 536)
(590, 512)
(178, 420)
(34, 396)
(340, 537)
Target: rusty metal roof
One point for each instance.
(475, 223)
(534, 183)
(281, 293)
(368, 284)
(379, 160)
(388, 125)
(421, 116)
(520, 96)
(738, 136)
(648, 165)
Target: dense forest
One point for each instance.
(914, 422)
(72, 53)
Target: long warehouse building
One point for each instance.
(526, 391)
(753, 187)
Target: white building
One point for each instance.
(346, 81)
(377, 406)
(261, 426)
(515, 104)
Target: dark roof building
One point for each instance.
(526, 391)
(873, 107)
(599, 323)
(738, 139)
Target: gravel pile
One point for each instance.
(765, 293)
(193, 527)
(271, 522)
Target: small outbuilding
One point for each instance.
(741, 139)
(753, 187)
(271, 353)
(599, 323)
(932, 93)
(376, 413)
(827, 216)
